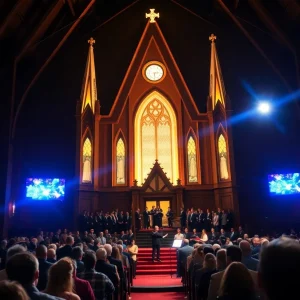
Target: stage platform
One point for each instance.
(143, 237)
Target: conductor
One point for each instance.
(156, 240)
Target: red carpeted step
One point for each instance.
(147, 262)
(155, 272)
(159, 266)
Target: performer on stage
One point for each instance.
(146, 218)
(170, 216)
(156, 241)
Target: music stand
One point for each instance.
(176, 244)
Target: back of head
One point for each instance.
(41, 251)
(221, 260)
(237, 275)
(22, 268)
(60, 277)
(245, 247)
(101, 254)
(115, 253)
(12, 291)
(208, 250)
(69, 240)
(108, 249)
(51, 253)
(209, 261)
(14, 250)
(89, 259)
(185, 242)
(77, 253)
(234, 253)
(279, 264)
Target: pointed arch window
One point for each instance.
(223, 157)
(87, 161)
(192, 160)
(120, 161)
(155, 137)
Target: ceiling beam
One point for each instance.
(71, 6)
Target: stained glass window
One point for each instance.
(192, 160)
(156, 139)
(120, 161)
(87, 161)
(222, 149)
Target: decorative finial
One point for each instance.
(152, 15)
(178, 182)
(135, 182)
(212, 38)
(91, 41)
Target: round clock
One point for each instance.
(154, 72)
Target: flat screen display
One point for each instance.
(284, 184)
(45, 189)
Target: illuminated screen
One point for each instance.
(284, 184)
(45, 189)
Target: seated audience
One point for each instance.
(82, 287)
(24, 269)
(12, 291)
(113, 261)
(10, 252)
(65, 250)
(77, 255)
(202, 276)
(237, 283)
(44, 266)
(51, 255)
(183, 253)
(60, 282)
(233, 254)
(247, 260)
(100, 283)
(221, 260)
(279, 267)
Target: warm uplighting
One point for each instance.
(264, 107)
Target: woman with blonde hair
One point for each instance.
(204, 237)
(115, 253)
(60, 280)
(237, 283)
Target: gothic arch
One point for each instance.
(86, 158)
(124, 164)
(192, 159)
(155, 120)
(223, 157)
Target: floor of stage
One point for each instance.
(156, 281)
(158, 296)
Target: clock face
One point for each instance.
(154, 72)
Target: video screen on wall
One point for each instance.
(45, 189)
(284, 184)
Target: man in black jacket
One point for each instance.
(156, 242)
(44, 266)
(65, 250)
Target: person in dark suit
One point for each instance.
(183, 253)
(114, 261)
(170, 216)
(44, 266)
(77, 255)
(146, 218)
(213, 236)
(233, 235)
(65, 250)
(182, 218)
(156, 242)
(24, 269)
(110, 270)
(137, 219)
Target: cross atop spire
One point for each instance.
(91, 41)
(212, 38)
(152, 15)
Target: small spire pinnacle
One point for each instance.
(212, 38)
(152, 15)
(91, 41)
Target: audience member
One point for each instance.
(24, 268)
(133, 251)
(77, 255)
(183, 253)
(82, 287)
(279, 269)
(247, 260)
(221, 260)
(10, 252)
(51, 255)
(237, 283)
(100, 283)
(12, 291)
(65, 250)
(44, 266)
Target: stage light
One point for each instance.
(264, 107)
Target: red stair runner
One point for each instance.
(168, 264)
